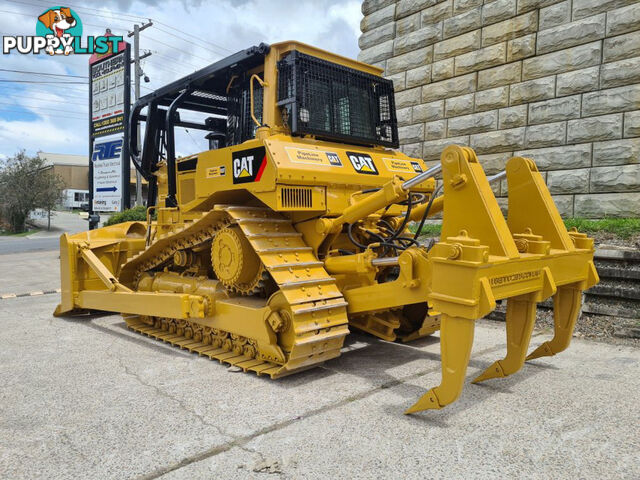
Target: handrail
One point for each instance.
(262, 84)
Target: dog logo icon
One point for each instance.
(59, 32)
(61, 23)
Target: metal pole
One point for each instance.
(497, 176)
(136, 91)
(137, 73)
(384, 261)
(418, 179)
(433, 171)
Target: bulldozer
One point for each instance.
(301, 222)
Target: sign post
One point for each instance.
(109, 105)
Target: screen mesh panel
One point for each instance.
(332, 101)
(240, 125)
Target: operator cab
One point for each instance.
(289, 87)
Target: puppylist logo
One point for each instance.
(59, 32)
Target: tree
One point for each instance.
(26, 184)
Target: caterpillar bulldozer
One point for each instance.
(293, 228)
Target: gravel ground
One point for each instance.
(596, 327)
(612, 239)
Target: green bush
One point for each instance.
(135, 214)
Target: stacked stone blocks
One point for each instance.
(557, 81)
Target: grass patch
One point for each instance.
(621, 227)
(428, 229)
(6, 233)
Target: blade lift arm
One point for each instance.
(118, 297)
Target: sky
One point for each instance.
(187, 35)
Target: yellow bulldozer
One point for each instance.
(293, 228)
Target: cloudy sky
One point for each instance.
(187, 35)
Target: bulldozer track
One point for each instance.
(222, 354)
(311, 300)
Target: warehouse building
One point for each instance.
(74, 171)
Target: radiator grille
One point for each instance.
(333, 101)
(296, 197)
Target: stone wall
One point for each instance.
(557, 81)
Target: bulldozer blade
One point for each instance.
(566, 309)
(521, 317)
(456, 340)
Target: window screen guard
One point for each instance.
(332, 101)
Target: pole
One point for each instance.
(136, 90)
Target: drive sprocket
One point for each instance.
(235, 263)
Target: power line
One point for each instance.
(105, 27)
(50, 100)
(40, 114)
(75, 8)
(24, 89)
(173, 59)
(43, 108)
(179, 38)
(192, 139)
(136, 80)
(164, 67)
(83, 23)
(172, 74)
(136, 18)
(193, 36)
(42, 73)
(42, 81)
(180, 50)
(176, 60)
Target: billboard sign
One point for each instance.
(108, 95)
(109, 105)
(107, 162)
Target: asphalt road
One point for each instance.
(24, 245)
(43, 240)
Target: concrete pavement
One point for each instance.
(30, 272)
(86, 398)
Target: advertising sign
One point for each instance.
(108, 95)
(107, 173)
(109, 104)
